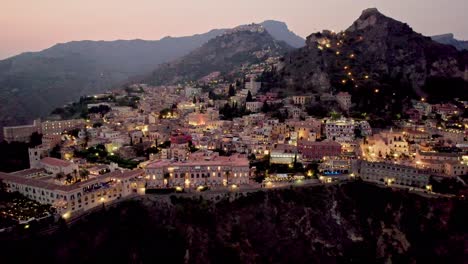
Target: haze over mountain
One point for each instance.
(279, 31)
(243, 45)
(380, 61)
(34, 83)
(450, 39)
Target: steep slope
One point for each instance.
(379, 60)
(32, 84)
(280, 31)
(351, 223)
(449, 39)
(239, 46)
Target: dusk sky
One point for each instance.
(33, 25)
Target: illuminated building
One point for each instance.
(75, 198)
(390, 173)
(21, 133)
(201, 169)
(344, 100)
(311, 151)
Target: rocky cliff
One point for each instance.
(351, 223)
(377, 54)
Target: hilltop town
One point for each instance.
(225, 135)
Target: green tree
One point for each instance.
(60, 176)
(3, 191)
(55, 152)
(84, 174)
(249, 97)
(232, 91)
(266, 107)
(97, 124)
(192, 148)
(35, 140)
(335, 115)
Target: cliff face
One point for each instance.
(377, 52)
(355, 222)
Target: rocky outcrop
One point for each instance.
(353, 222)
(377, 52)
(226, 53)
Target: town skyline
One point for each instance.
(31, 27)
(242, 144)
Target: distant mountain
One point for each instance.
(279, 30)
(32, 84)
(449, 39)
(380, 61)
(242, 45)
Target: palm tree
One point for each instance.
(59, 176)
(228, 173)
(205, 176)
(166, 177)
(69, 178)
(84, 174)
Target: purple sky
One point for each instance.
(32, 25)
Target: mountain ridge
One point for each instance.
(450, 39)
(245, 44)
(378, 60)
(34, 83)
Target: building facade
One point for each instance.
(202, 169)
(390, 173)
(76, 198)
(311, 151)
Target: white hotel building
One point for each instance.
(390, 173)
(74, 198)
(201, 169)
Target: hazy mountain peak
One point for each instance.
(44, 80)
(449, 39)
(274, 22)
(239, 46)
(446, 35)
(280, 31)
(256, 28)
(371, 17)
(377, 51)
(370, 11)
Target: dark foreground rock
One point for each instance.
(354, 222)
